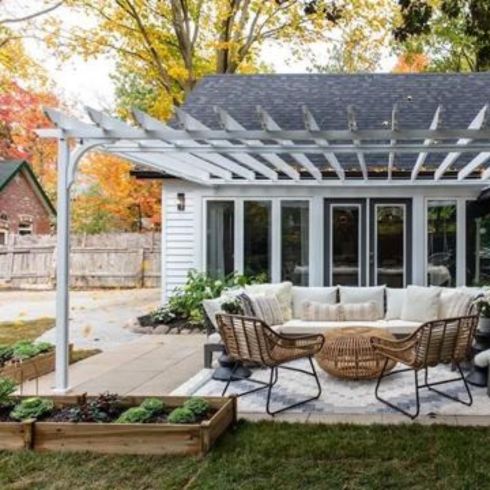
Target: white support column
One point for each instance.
(163, 250)
(239, 244)
(276, 241)
(317, 234)
(419, 240)
(461, 242)
(62, 268)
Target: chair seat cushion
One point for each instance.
(299, 327)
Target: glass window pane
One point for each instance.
(257, 238)
(477, 245)
(345, 245)
(220, 256)
(390, 244)
(441, 243)
(295, 242)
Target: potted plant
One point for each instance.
(483, 305)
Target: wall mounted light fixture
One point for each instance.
(180, 201)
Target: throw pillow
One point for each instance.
(394, 303)
(267, 309)
(421, 304)
(360, 311)
(363, 295)
(313, 311)
(327, 296)
(246, 304)
(282, 291)
(454, 303)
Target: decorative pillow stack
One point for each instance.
(322, 295)
(267, 308)
(421, 304)
(282, 291)
(340, 312)
(356, 295)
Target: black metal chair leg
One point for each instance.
(297, 404)
(430, 386)
(391, 405)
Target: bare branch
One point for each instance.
(26, 18)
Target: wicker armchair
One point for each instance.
(250, 340)
(446, 341)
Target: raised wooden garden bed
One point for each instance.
(114, 438)
(30, 368)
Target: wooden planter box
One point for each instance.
(31, 368)
(111, 438)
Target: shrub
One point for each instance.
(7, 387)
(6, 353)
(25, 349)
(153, 405)
(134, 415)
(162, 315)
(32, 408)
(181, 415)
(101, 409)
(198, 406)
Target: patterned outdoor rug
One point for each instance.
(343, 396)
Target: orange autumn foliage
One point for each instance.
(411, 63)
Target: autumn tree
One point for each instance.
(163, 47)
(411, 63)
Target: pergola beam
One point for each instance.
(270, 125)
(352, 122)
(477, 123)
(480, 159)
(312, 125)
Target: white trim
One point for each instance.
(461, 242)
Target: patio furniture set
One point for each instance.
(352, 332)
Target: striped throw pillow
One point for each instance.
(368, 311)
(314, 311)
(454, 304)
(267, 309)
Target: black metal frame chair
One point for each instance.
(446, 341)
(250, 340)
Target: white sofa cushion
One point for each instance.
(299, 327)
(283, 292)
(313, 311)
(300, 294)
(212, 307)
(395, 298)
(421, 304)
(364, 295)
(368, 311)
(454, 303)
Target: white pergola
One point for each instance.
(234, 155)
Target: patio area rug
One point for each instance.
(343, 396)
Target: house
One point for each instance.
(395, 219)
(24, 206)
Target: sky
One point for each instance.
(89, 83)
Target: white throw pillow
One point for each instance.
(360, 311)
(212, 307)
(326, 296)
(364, 295)
(282, 291)
(395, 298)
(313, 311)
(421, 304)
(454, 303)
(267, 309)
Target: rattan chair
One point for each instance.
(446, 341)
(250, 340)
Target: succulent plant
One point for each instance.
(153, 405)
(134, 415)
(198, 406)
(181, 415)
(32, 408)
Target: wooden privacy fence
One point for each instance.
(119, 260)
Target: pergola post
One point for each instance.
(62, 267)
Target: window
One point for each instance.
(26, 226)
(441, 243)
(295, 242)
(220, 233)
(3, 237)
(477, 244)
(257, 238)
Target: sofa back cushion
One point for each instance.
(376, 294)
(282, 291)
(267, 309)
(368, 311)
(421, 304)
(395, 297)
(313, 311)
(454, 303)
(326, 296)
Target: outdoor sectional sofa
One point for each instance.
(312, 310)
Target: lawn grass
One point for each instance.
(269, 456)
(11, 332)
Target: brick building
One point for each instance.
(24, 206)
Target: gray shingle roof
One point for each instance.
(328, 95)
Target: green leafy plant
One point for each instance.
(134, 415)
(101, 409)
(26, 349)
(6, 353)
(198, 406)
(162, 315)
(32, 408)
(181, 415)
(232, 306)
(153, 405)
(7, 388)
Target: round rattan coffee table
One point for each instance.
(347, 353)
